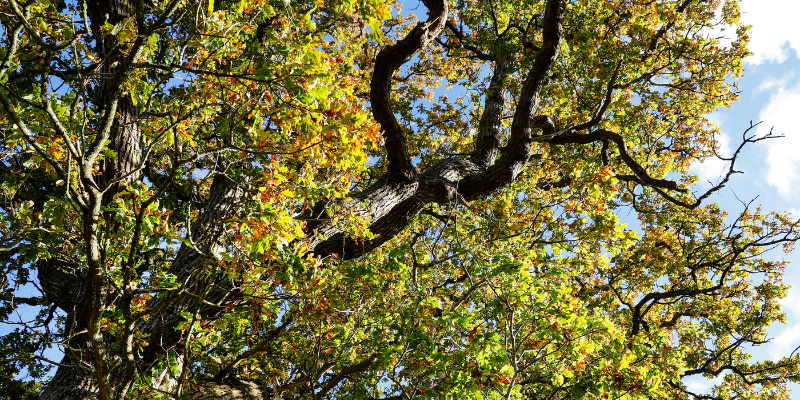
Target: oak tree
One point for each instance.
(308, 199)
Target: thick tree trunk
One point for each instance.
(126, 142)
(71, 381)
(61, 281)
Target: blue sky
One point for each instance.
(770, 94)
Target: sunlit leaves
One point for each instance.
(572, 282)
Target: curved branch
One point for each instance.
(641, 175)
(537, 76)
(391, 204)
(731, 171)
(386, 64)
(664, 29)
(344, 373)
(732, 159)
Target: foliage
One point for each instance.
(310, 199)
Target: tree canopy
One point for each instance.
(329, 199)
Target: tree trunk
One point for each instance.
(71, 381)
(126, 141)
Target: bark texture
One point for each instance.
(126, 140)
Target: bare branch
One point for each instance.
(462, 41)
(598, 116)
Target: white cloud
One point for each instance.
(791, 303)
(700, 385)
(774, 25)
(784, 343)
(781, 116)
(770, 84)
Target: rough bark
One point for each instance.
(126, 141)
(386, 63)
(71, 381)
